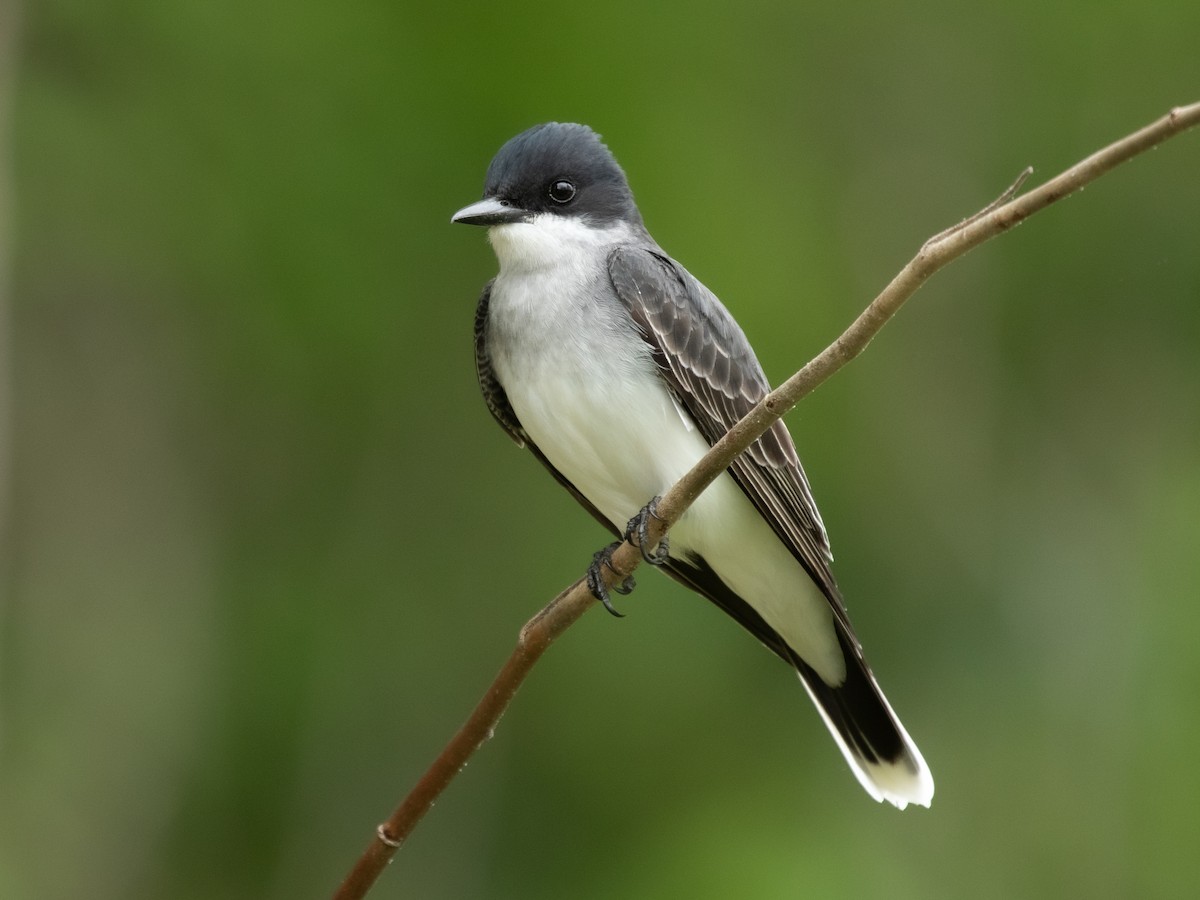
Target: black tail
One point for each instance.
(883, 757)
(881, 754)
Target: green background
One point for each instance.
(263, 546)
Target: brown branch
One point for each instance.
(568, 606)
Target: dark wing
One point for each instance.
(713, 372)
(493, 393)
(502, 411)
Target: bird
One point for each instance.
(617, 369)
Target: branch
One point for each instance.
(999, 216)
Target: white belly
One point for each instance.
(603, 418)
(585, 388)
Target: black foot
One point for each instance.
(636, 532)
(595, 581)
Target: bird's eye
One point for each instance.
(562, 191)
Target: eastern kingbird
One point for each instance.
(618, 370)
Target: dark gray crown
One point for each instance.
(526, 168)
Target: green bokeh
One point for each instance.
(264, 546)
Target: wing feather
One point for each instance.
(712, 370)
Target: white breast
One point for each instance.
(579, 377)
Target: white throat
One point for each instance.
(547, 241)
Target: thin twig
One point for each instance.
(567, 607)
(1009, 193)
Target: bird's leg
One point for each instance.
(637, 533)
(595, 580)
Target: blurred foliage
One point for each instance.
(265, 546)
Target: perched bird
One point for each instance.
(618, 370)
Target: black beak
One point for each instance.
(489, 211)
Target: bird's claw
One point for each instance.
(637, 533)
(595, 579)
